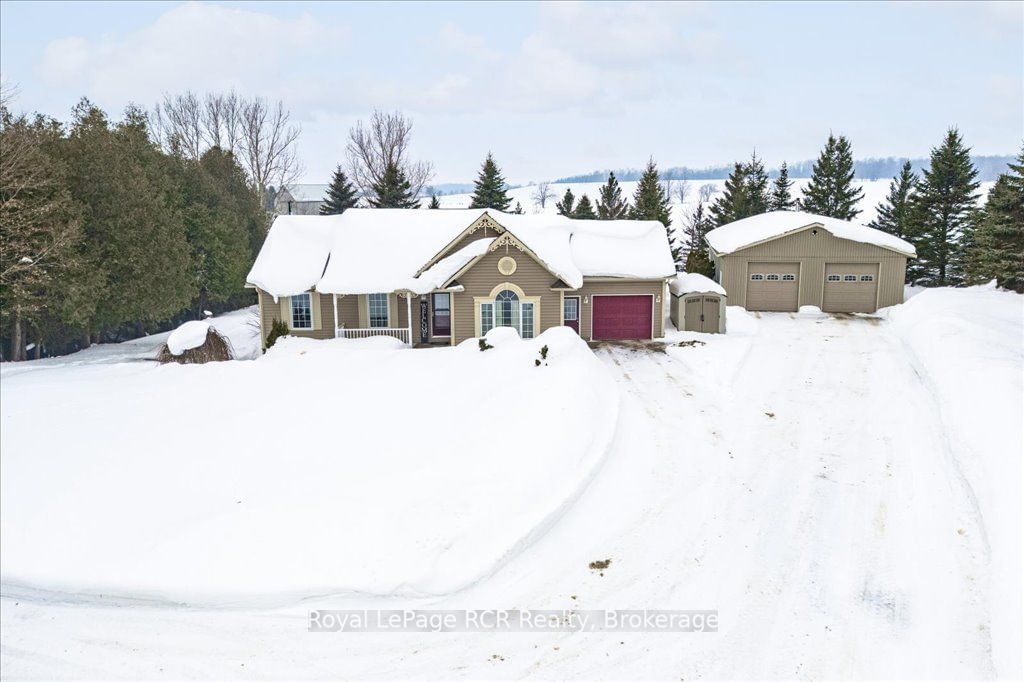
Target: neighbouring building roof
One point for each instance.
(307, 192)
(767, 226)
(695, 283)
(373, 250)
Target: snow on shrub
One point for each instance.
(195, 342)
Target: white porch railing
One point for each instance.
(400, 333)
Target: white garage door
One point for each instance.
(773, 286)
(850, 288)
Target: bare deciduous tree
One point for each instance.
(682, 190)
(705, 192)
(542, 194)
(381, 144)
(259, 133)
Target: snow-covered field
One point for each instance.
(875, 192)
(844, 490)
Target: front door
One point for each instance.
(571, 312)
(442, 314)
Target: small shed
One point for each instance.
(698, 304)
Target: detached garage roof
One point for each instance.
(767, 226)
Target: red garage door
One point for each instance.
(622, 317)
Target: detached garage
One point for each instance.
(779, 261)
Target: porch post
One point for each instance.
(408, 310)
(336, 325)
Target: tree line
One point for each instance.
(111, 229)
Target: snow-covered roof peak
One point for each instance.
(747, 232)
(695, 283)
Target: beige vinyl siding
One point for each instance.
(812, 251)
(480, 280)
(271, 310)
(655, 288)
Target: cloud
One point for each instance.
(193, 46)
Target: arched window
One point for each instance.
(506, 309)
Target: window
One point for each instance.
(756, 278)
(849, 278)
(773, 278)
(833, 278)
(302, 312)
(789, 278)
(506, 309)
(486, 317)
(571, 309)
(378, 304)
(527, 325)
(867, 278)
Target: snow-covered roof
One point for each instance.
(375, 250)
(307, 192)
(695, 283)
(294, 254)
(760, 228)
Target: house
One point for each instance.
(782, 260)
(301, 199)
(444, 276)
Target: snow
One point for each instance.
(694, 282)
(753, 230)
(291, 489)
(293, 255)
(622, 248)
(188, 336)
(438, 275)
(844, 490)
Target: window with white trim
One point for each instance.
(302, 311)
(789, 278)
(849, 278)
(378, 304)
(526, 324)
(486, 318)
(867, 278)
(506, 309)
(773, 277)
(833, 278)
(756, 277)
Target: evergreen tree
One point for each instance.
(831, 191)
(135, 236)
(699, 224)
(610, 204)
(650, 200)
(584, 209)
(733, 203)
(393, 190)
(434, 201)
(566, 205)
(781, 198)
(341, 194)
(944, 208)
(518, 210)
(997, 251)
(758, 199)
(894, 214)
(489, 188)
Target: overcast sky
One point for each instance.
(553, 89)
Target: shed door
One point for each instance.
(850, 288)
(711, 307)
(622, 317)
(773, 286)
(694, 310)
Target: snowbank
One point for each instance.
(967, 343)
(694, 282)
(325, 467)
(188, 336)
(748, 231)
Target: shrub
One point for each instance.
(277, 329)
(484, 345)
(214, 349)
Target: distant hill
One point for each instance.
(989, 168)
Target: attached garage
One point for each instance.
(850, 288)
(782, 260)
(622, 317)
(773, 287)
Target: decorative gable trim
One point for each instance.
(484, 221)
